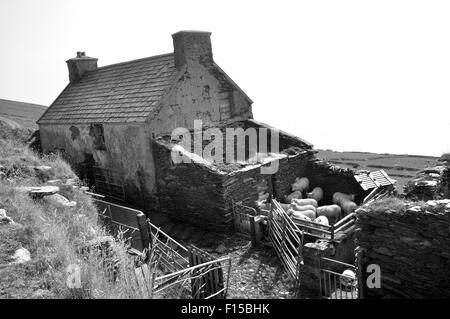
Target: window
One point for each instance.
(98, 136)
(225, 105)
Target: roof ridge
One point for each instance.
(133, 61)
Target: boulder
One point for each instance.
(43, 172)
(59, 201)
(37, 191)
(22, 255)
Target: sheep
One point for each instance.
(302, 215)
(295, 194)
(347, 206)
(300, 184)
(348, 279)
(332, 212)
(306, 201)
(337, 197)
(311, 214)
(317, 194)
(300, 208)
(346, 201)
(322, 220)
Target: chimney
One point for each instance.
(192, 46)
(80, 65)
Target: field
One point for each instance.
(399, 167)
(19, 114)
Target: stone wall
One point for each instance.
(332, 179)
(411, 244)
(125, 149)
(202, 194)
(289, 168)
(322, 174)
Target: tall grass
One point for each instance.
(55, 236)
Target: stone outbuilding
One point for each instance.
(114, 124)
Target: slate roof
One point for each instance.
(118, 93)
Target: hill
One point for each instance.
(399, 167)
(20, 114)
(43, 237)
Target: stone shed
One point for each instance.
(115, 124)
(104, 121)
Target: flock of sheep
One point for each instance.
(308, 208)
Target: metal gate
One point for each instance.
(338, 280)
(287, 239)
(109, 182)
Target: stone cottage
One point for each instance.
(114, 125)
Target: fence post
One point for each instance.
(144, 230)
(253, 230)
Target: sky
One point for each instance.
(344, 75)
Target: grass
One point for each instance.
(23, 114)
(54, 235)
(389, 203)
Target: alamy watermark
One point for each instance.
(250, 146)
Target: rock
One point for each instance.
(59, 201)
(39, 192)
(54, 181)
(22, 255)
(415, 209)
(43, 172)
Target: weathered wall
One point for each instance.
(199, 195)
(332, 179)
(289, 168)
(127, 150)
(189, 192)
(196, 97)
(411, 246)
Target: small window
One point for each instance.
(98, 136)
(225, 105)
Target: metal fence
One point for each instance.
(287, 239)
(185, 273)
(109, 182)
(338, 280)
(329, 232)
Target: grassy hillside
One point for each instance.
(53, 235)
(19, 114)
(399, 167)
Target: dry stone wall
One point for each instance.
(197, 194)
(410, 244)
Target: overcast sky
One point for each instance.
(344, 75)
